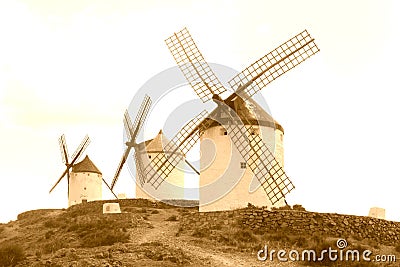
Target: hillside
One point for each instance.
(155, 234)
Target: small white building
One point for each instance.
(376, 212)
(111, 208)
(224, 175)
(173, 186)
(85, 183)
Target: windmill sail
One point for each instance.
(259, 158)
(132, 131)
(274, 64)
(64, 154)
(79, 151)
(174, 151)
(193, 66)
(63, 149)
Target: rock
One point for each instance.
(284, 225)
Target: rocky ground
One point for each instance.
(140, 236)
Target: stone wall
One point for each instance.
(299, 222)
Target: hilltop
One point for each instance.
(155, 234)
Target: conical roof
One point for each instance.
(248, 110)
(156, 145)
(86, 165)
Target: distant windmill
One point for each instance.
(235, 119)
(132, 132)
(87, 187)
(146, 148)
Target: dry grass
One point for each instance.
(172, 218)
(11, 254)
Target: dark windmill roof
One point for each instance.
(248, 110)
(86, 165)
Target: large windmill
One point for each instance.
(238, 117)
(84, 178)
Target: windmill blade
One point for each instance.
(128, 125)
(259, 158)
(63, 149)
(120, 165)
(139, 167)
(174, 151)
(116, 197)
(274, 64)
(59, 180)
(140, 117)
(78, 152)
(193, 66)
(68, 177)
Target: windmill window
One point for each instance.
(243, 165)
(149, 156)
(225, 133)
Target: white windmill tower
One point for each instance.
(85, 179)
(85, 182)
(237, 120)
(147, 151)
(155, 148)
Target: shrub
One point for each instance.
(251, 206)
(155, 212)
(298, 207)
(49, 234)
(201, 232)
(104, 239)
(53, 223)
(286, 207)
(397, 248)
(2, 228)
(373, 243)
(245, 236)
(279, 236)
(53, 245)
(11, 254)
(172, 218)
(300, 241)
(142, 210)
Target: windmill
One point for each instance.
(243, 131)
(80, 187)
(152, 148)
(132, 131)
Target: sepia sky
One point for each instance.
(73, 67)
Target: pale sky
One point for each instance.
(73, 67)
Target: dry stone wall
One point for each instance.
(299, 222)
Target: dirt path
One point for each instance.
(165, 233)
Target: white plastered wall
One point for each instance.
(84, 185)
(224, 184)
(171, 188)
